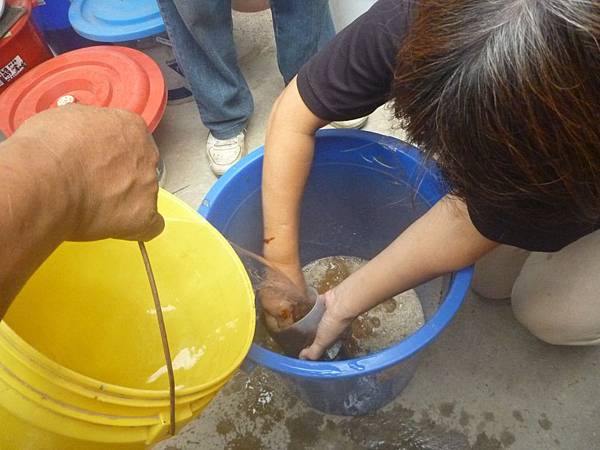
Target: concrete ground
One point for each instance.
(485, 384)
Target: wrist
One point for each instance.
(36, 167)
(280, 254)
(338, 307)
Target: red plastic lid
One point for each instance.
(118, 77)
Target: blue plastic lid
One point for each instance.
(116, 20)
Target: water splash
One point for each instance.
(164, 309)
(270, 282)
(185, 359)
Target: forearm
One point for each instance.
(289, 150)
(34, 218)
(442, 241)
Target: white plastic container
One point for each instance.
(344, 12)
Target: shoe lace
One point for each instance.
(225, 144)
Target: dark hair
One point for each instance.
(505, 95)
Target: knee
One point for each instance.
(556, 295)
(555, 327)
(495, 273)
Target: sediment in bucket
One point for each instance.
(80, 352)
(363, 191)
(377, 329)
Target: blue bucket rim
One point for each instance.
(119, 31)
(374, 362)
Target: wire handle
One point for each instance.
(163, 335)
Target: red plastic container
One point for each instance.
(111, 76)
(22, 48)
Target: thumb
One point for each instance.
(312, 353)
(153, 227)
(329, 330)
(323, 340)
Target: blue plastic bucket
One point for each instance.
(52, 19)
(363, 191)
(52, 14)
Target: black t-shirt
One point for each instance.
(352, 77)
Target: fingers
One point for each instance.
(278, 312)
(112, 187)
(317, 348)
(269, 300)
(271, 322)
(312, 353)
(278, 294)
(153, 227)
(155, 224)
(328, 332)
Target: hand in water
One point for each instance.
(333, 324)
(280, 287)
(282, 295)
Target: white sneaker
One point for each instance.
(224, 153)
(352, 123)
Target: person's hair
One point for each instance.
(505, 96)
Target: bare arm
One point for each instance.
(442, 241)
(79, 173)
(289, 150)
(35, 216)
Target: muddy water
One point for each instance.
(270, 282)
(377, 329)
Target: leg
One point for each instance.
(495, 273)
(557, 296)
(202, 36)
(301, 28)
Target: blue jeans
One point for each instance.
(202, 35)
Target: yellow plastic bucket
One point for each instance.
(81, 361)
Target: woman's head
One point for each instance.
(506, 95)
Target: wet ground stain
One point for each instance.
(507, 438)
(481, 426)
(303, 428)
(447, 409)
(245, 442)
(518, 416)
(258, 412)
(488, 416)
(267, 407)
(225, 426)
(396, 429)
(292, 401)
(485, 442)
(544, 422)
(465, 418)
